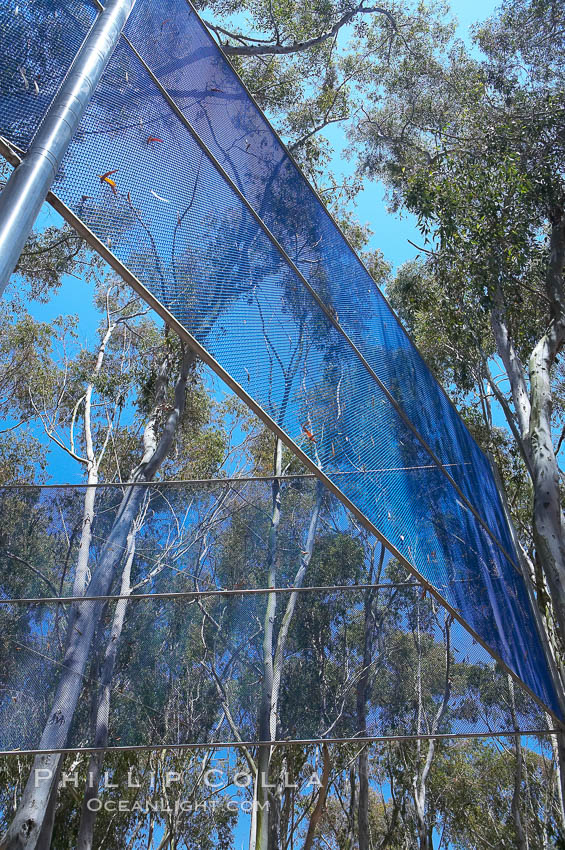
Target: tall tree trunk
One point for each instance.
(363, 689)
(521, 837)
(92, 463)
(267, 722)
(363, 694)
(316, 815)
(534, 581)
(558, 748)
(275, 806)
(549, 529)
(23, 833)
(88, 814)
(262, 837)
(44, 841)
(352, 808)
(305, 558)
(532, 409)
(420, 781)
(81, 570)
(364, 836)
(533, 414)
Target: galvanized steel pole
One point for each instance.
(27, 188)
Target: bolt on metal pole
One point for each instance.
(28, 185)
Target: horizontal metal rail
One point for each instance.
(234, 479)
(198, 594)
(370, 739)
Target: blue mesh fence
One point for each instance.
(179, 51)
(39, 41)
(136, 175)
(188, 667)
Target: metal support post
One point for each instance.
(28, 185)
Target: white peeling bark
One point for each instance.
(549, 531)
(420, 780)
(533, 408)
(261, 822)
(81, 571)
(88, 814)
(513, 366)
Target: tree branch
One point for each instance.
(258, 47)
(509, 416)
(513, 366)
(36, 572)
(322, 795)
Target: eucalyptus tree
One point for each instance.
(26, 343)
(471, 782)
(475, 149)
(241, 646)
(297, 62)
(159, 791)
(462, 793)
(60, 398)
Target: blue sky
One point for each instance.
(392, 232)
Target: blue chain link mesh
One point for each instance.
(182, 662)
(39, 41)
(137, 177)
